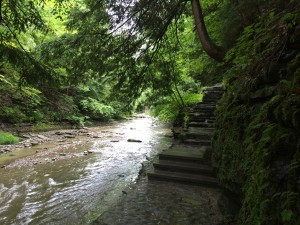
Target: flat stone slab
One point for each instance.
(185, 166)
(200, 124)
(203, 120)
(194, 149)
(202, 130)
(197, 142)
(196, 135)
(181, 155)
(202, 114)
(184, 177)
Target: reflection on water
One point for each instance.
(77, 190)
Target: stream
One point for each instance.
(76, 190)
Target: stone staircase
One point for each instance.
(188, 159)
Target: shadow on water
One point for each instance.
(77, 190)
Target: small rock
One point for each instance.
(85, 152)
(121, 175)
(35, 163)
(34, 143)
(53, 159)
(83, 131)
(134, 140)
(62, 154)
(3, 166)
(42, 137)
(89, 151)
(114, 141)
(124, 192)
(69, 136)
(95, 136)
(25, 136)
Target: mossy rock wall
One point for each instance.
(256, 147)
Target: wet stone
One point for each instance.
(42, 137)
(25, 136)
(134, 140)
(162, 203)
(34, 143)
(69, 136)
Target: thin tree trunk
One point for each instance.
(208, 45)
(0, 12)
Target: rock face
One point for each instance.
(257, 139)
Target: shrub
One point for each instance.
(8, 138)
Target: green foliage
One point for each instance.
(77, 121)
(8, 138)
(168, 109)
(96, 108)
(256, 145)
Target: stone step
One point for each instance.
(205, 116)
(211, 99)
(204, 106)
(209, 131)
(213, 90)
(197, 142)
(182, 156)
(203, 111)
(203, 119)
(184, 177)
(215, 87)
(202, 114)
(200, 124)
(178, 166)
(198, 135)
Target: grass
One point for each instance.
(8, 138)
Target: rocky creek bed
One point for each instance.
(97, 176)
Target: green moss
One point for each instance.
(256, 147)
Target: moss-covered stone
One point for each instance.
(256, 146)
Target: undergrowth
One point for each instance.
(7, 138)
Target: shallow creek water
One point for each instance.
(76, 190)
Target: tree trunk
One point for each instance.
(208, 45)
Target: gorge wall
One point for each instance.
(256, 147)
